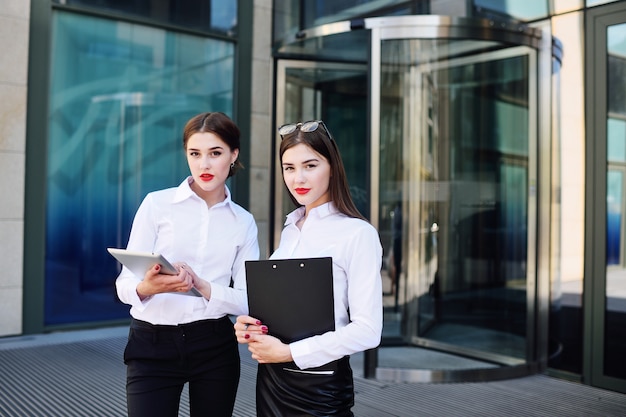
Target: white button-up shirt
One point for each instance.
(215, 242)
(355, 248)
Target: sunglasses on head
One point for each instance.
(310, 126)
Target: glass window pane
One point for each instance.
(120, 95)
(292, 15)
(205, 15)
(598, 2)
(521, 10)
(320, 12)
(616, 61)
(615, 314)
(454, 194)
(335, 95)
(614, 199)
(616, 140)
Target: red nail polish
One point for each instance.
(157, 267)
(247, 336)
(264, 328)
(258, 322)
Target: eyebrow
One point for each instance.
(303, 162)
(212, 148)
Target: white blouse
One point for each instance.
(355, 247)
(215, 242)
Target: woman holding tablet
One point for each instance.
(174, 338)
(325, 224)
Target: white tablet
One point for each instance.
(140, 262)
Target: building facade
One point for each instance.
(485, 141)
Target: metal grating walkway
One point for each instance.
(81, 374)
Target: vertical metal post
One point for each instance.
(370, 358)
(370, 363)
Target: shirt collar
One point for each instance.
(184, 192)
(319, 212)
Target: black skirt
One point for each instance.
(283, 390)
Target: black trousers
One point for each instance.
(161, 359)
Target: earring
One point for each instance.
(232, 165)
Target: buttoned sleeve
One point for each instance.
(233, 300)
(142, 237)
(361, 258)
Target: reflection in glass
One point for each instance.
(599, 2)
(615, 315)
(338, 96)
(616, 139)
(204, 15)
(614, 217)
(291, 16)
(519, 10)
(120, 96)
(321, 12)
(454, 167)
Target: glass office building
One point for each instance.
(484, 140)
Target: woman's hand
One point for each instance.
(264, 348)
(268, 349)
(246, 326)
(198, 283)
(155, 283)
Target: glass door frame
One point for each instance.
(278, 194)
(509, 52)
(596, 110)
(540, 179)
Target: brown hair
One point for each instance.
(219, 124)
(320, 142)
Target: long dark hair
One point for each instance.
(338, 188)
(219, 124)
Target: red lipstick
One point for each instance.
(302, 191)
(206, 177)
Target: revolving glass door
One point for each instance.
(456, 139)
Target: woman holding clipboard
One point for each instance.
(325, 224)
(176, 339)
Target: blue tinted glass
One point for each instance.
(205, 15)
(224, 15)
(294, 15)
(598, 2)
(518, 9)
(120, 96)
(614, 199)
(616, 73)
(320, 12)
(616, 140)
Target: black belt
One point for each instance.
(187, 328)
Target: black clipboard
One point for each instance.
(293, 297)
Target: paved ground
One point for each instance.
(80, 373)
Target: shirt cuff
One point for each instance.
(299, 352)
(136, 302)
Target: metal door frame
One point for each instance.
(538, 283)
(594, 282)
(415, 129)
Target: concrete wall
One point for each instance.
(261, 121)
(14, 26)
